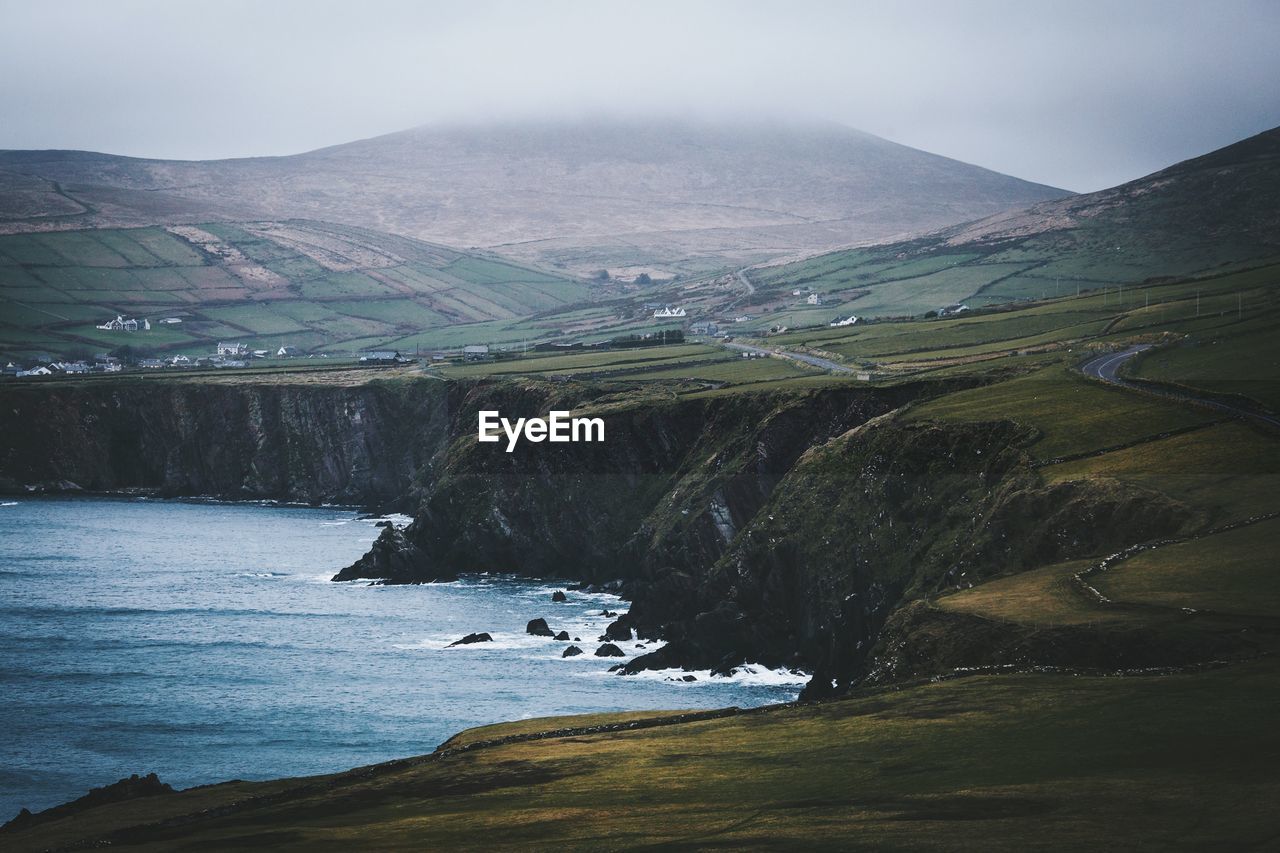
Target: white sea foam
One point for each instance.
(749, 674)
(399, 519)
(8, 503)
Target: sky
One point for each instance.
(1073, 93)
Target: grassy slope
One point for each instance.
(1205, 214)
(991, 762)
(312, 285)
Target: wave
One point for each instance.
(747, 675)
(399, 519)
(8, 503)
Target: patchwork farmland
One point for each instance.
(315, 286)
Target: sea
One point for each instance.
(204, 641)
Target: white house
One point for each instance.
(847, 321)
(120, 324)
(950, 310)
(814, 299)
(475, 352)
(232, 349)
(288, 352)
(667, 312)
(180, 361)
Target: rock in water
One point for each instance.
(393, 558)
(609, 650)
(559, 596)
(572, 651)
(481, 637)
(618, 631)
(563, 635)
(538, 627)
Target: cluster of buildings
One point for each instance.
(230, 355)
(50, 367)
(120, 324)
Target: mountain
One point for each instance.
(1213, 211)
(659, 196)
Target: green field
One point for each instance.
(313, 285)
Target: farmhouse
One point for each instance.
(667, 312)
(381, 357)
(120, 324)
(845, 321)
(476, 352)
(225, 349)
(288, 352)
(706, 327)
(814, 299)
(951, 310)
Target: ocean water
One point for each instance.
(204, 642)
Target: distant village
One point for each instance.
(233, 355)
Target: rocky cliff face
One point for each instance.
(873, 519)
(782, 527)
(313, 443)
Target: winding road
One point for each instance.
(811, 360)
(1105, 369)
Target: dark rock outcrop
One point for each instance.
(618, 631)
(253, 439)
(571, 651)
(480, 637)
(609, 650)
(563, 635)
(392, 559)
(132, 788)
(538, 628)
(559, 596)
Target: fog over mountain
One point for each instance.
(670, 195)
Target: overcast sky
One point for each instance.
(1076, 94)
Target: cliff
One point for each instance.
(314, 443)
(783, 527)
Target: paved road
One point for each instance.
(1106, 367)
(825, 364)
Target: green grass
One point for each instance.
(1043, 596)
(1234, 572)
(1232, 470)
(988, 763)
(149, 272)
(1245, 365)
(1071, 414)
